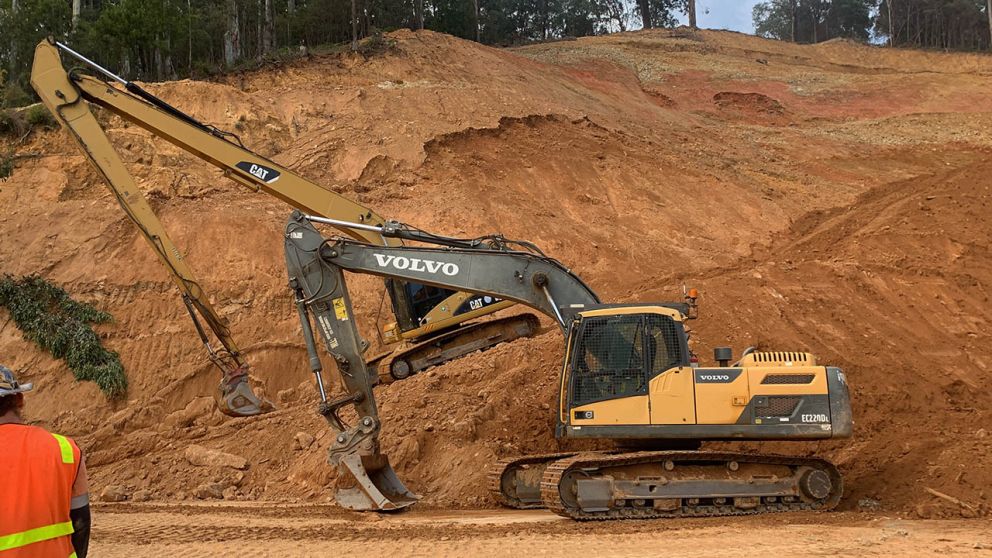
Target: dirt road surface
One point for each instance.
(249, 530)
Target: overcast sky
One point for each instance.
(734, 15)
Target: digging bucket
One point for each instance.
(379, 489)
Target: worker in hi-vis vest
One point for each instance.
(44, 497)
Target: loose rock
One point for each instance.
(113, 493)
(141, 495)
(208, 491)
(302, 441)
(206, 457)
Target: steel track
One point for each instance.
(551, 485)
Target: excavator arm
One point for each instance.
(317, 267)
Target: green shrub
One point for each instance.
(12, 123)
(11, 94)
(6, 165)
(50, 318)
(38, 115)
(376, 44)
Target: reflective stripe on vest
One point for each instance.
(24, 538)
(65, 447)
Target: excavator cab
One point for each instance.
(627, 375)
(424, 310)
(413, 302)
(613, 354)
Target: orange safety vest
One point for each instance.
(37, 470)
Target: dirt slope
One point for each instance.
(829, 198)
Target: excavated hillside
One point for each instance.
(831, 198)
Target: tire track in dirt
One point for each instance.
(197, 531)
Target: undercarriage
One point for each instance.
(666, 484)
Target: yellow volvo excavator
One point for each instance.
(627, 377)
(432, 323)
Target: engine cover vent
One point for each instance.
(788, 379)
(781, 406)
(778, 358)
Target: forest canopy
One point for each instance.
(944, 24)
(167, 39)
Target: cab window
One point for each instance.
(609, 360)
(664, 347)
(424, 298)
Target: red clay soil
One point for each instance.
(831, 198)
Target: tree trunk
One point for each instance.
(420, 14)
(794, 12)
(125, 66)
(544, 20)
(645, 7)
(77, 6)
(13, 42)
(189, 36)
(892, 35)
(157, 57)
(691, 8)
(267, 29)
(478, 26)
(817, 15)
(170, 70)
(354, 25)
(232, 37)
(988, 12)
(290, 11)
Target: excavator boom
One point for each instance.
(62, 93)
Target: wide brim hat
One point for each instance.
(9, 384)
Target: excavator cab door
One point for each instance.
(608, 383)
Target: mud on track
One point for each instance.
(313, 530)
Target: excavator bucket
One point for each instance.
(379, 489)
(236, 399)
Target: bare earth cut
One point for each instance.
(830, 198)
